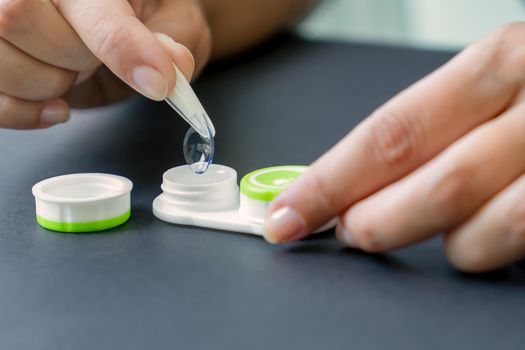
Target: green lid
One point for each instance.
(266, 184)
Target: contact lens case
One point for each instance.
(214, 200)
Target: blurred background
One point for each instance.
(441, 24)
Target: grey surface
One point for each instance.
(151, 285)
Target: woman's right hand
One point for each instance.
(444, 157)
(48, 47)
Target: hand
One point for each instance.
(445, 156)
(61, 53)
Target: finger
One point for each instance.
(185, 23)
(120, 40)
(19, 114)
(400, 136)
(38, 29)
(445, 192)
(27, 78)
(494, 236)
(99, 90)
(179, 53)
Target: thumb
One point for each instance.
(122, 42)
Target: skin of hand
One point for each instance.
(57, 54)
(445, 156)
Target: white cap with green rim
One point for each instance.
(259, 188)
(78, 203)
(212, 199)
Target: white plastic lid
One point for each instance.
(83, 202)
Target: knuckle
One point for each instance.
(11, 12)
(450, 195)
(394, 137)
(109, 37)
(507, 53)
(499, 57)
(362, 232)
(365, 237)
(509, 33)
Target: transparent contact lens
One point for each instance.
(198, 150)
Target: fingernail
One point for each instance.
(284, 225)
(150, 82)
(83, 76)
(344, 236)
(54, 114)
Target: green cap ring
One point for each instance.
(266, 184)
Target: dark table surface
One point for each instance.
(152, 285)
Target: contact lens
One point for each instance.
(198, 150)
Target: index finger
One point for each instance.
(122, 42)
(406, 132)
